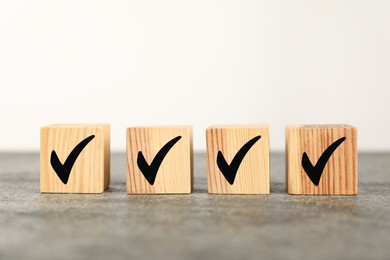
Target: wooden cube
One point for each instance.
(75, 158)
(159, 160)
(321, 159)
(238, 159)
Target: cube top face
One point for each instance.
(247, 145)
(83, 153)
(238, 127)
(159, 160)
(321, 159)
(323, 126)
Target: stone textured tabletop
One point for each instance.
(115, 225)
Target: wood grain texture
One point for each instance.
(340, 175)
(90, 172)
(253, 173)
(175, 174)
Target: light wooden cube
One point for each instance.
(335, 173)
(165, 157)
(75, 158)
(251, 156)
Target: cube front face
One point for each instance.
(331, 156)
(83, 153)
(166, 153)
(238, 146)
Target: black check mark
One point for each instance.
(230, 171)
(150, 171)
(63, 170)
(315, 172)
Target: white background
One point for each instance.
(131, 63)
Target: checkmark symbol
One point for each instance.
(150, 171)
(315, 172)
(230, 171)
(63, 170)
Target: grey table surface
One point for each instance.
(115, 225)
